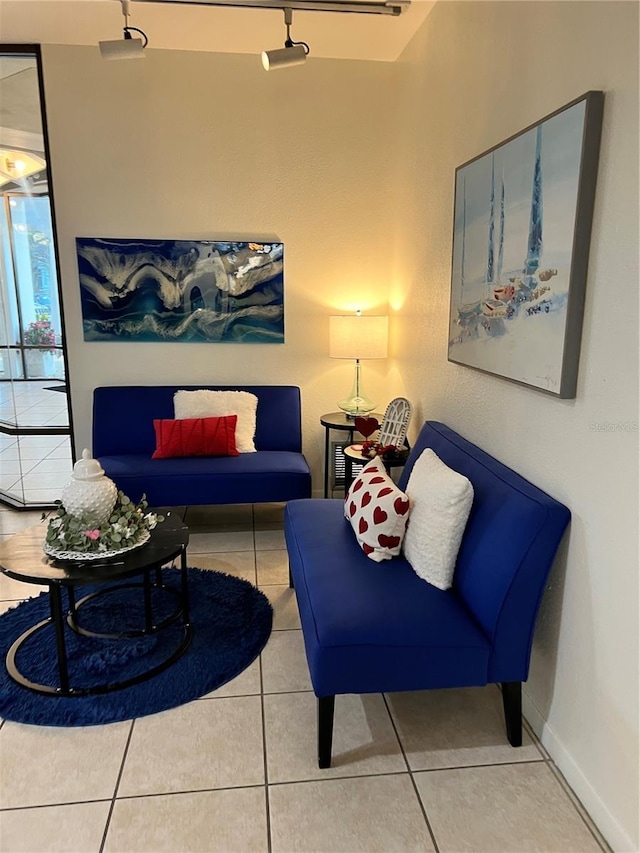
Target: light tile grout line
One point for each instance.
(575, 802)
(188, 791)
(520, 763)
(148, 796)
(413, 781)
(266, 766)
(115, 790)
(572, 796)
(534, 737)
(411, 772)
(262, 713)
(55, 805)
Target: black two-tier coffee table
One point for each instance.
(22, 558)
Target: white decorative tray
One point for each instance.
(57, 554)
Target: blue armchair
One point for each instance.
(377, 627)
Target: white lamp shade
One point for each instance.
(355, 336)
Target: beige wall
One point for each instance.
(195, 145)
(475, 74)
(335, 161)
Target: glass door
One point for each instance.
(35, 440)
(34, 317)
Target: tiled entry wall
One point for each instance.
(34, 468)
(33, 403)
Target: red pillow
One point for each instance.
(195, 437)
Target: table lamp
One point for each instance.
(356, 336)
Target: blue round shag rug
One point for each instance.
(231, 622)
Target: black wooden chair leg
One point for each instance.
(326, 705)
(512, 703)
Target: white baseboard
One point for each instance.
(611, 830)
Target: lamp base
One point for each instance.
(356, 404)
(355, 407)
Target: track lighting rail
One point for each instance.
(371, 8)
(293, 52)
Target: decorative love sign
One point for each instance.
(366, 426)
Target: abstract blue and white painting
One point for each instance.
(181, 290)
(514, 245)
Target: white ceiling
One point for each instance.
(209, 28)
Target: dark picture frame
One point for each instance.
(522, 223)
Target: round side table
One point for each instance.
(340, 422)
(353, 454)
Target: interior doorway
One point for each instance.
(35, 439)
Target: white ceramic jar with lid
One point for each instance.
(90, 493)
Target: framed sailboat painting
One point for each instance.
(521, 231)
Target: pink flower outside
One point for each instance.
(92, 534)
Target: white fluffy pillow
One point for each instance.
(440, 504)
(216, 404)
(377, 511)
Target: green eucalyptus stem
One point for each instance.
(84, 534)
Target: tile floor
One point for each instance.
(236, 771)
(33, 468)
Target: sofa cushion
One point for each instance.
(262, 477)
(377, 511)
(369, 623)
(195, 437)
(204, 403)
(441, 500)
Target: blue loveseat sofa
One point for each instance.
(124, 440)
(377, 627)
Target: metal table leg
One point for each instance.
(327, 430)
(184, 587)
(148, 613)
(57, 617)
(71, 595)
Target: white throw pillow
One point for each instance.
(377, 511)
(440, 504)
(216, 404)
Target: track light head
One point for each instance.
(127, 47)
(283, 57)
(293, 52)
